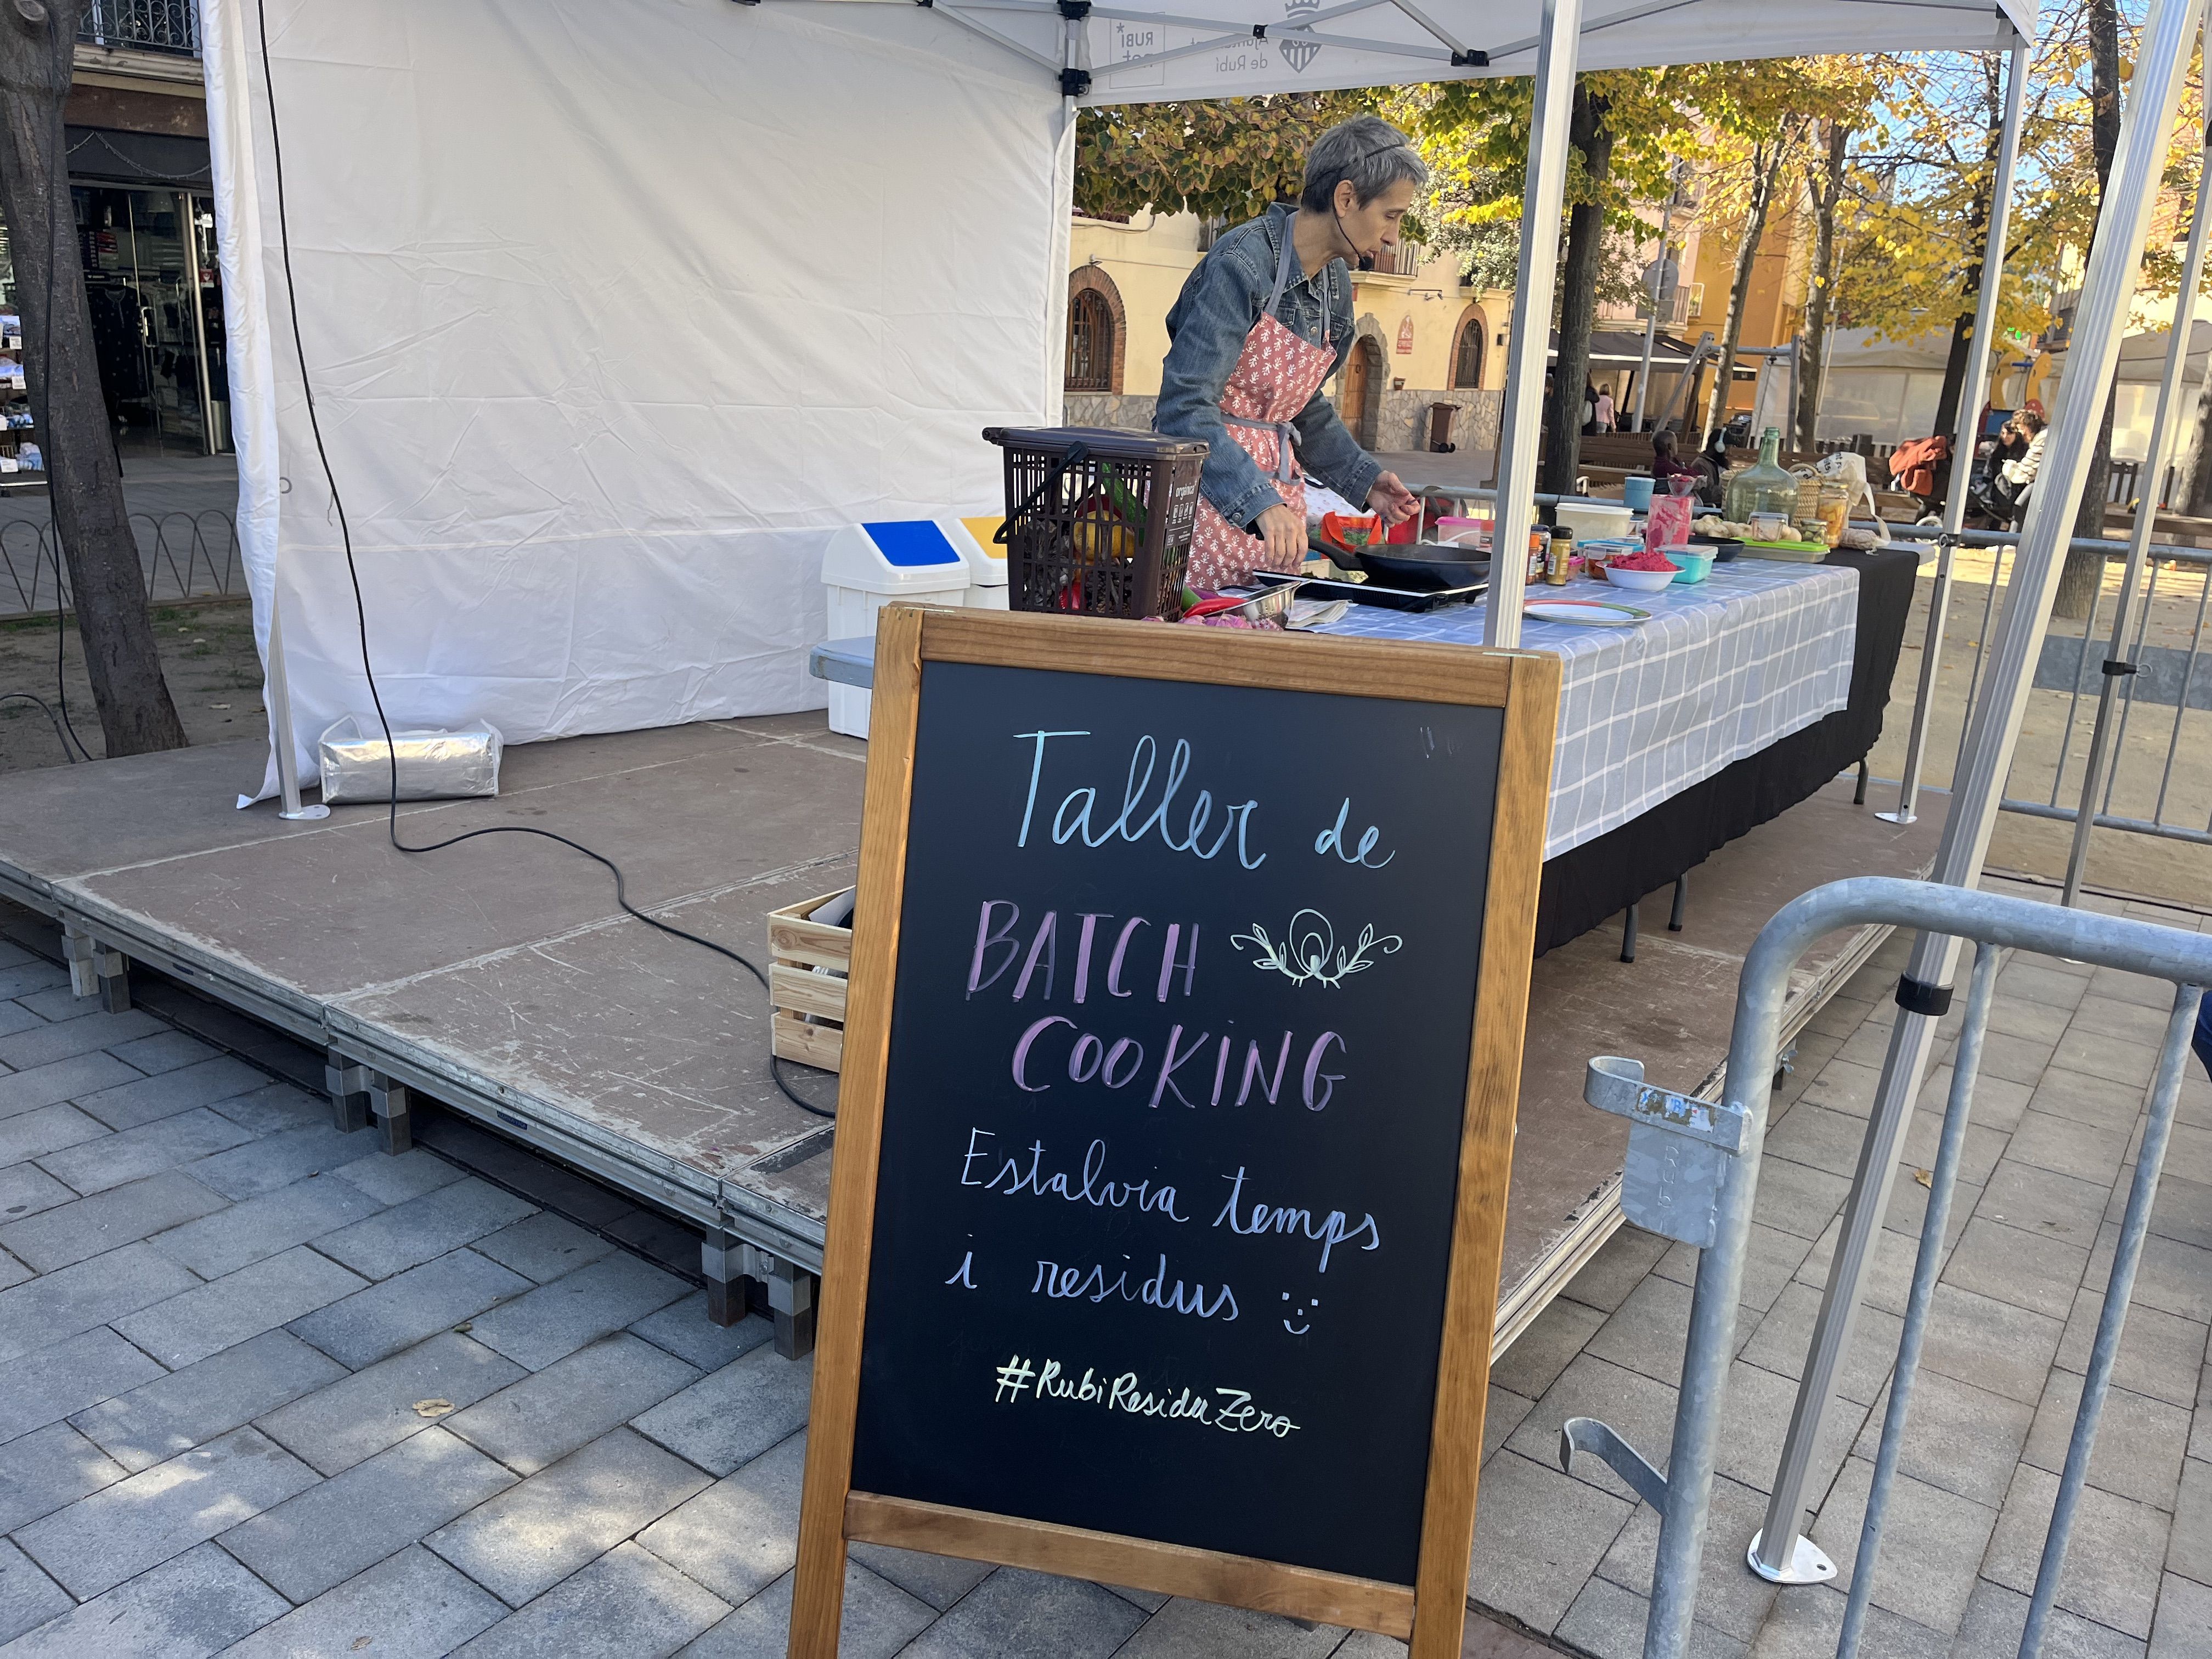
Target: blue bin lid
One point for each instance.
(912, 542)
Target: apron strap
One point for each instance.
(1282, 266)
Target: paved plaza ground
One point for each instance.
(266, 1390)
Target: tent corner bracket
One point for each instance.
(1470, 60)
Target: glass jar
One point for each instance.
(1835, 510)
(1764, 488)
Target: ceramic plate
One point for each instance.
(1585, 613)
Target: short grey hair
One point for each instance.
(1367, 152)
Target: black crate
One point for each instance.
(1098, 521)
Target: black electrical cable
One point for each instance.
(47, 709)
(360, 616)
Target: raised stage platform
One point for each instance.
(500, 979)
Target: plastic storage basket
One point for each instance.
(1098, 521)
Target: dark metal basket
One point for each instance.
(1098, 521)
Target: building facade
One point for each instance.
(1423, 339)
(141, 182)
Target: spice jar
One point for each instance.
(1835, 510)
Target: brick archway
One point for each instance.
(1097, 333)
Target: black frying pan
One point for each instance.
(1426, 566)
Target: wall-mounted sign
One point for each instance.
(1406, 336)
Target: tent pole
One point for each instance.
(1658, 274)
(277, 693)
(1979, 347)
(2162, 434)
(1520, 432)
(1779, 1551)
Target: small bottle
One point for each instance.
(1556, 557)
(1539, 548)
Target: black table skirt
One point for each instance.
(1585, 884)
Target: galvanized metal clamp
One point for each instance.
(1679, 1151)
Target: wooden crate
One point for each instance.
(796, 946)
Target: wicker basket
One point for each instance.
(1098, 521)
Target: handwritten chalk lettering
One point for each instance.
(960, 1273)
(1069, 1283)
(1014, 1178)
(1230, 1410)
(1074, 816)
(1331, 839)
(1294, 1221)
(1116, 1065)
(998, 947)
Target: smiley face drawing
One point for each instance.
(1302, 1311)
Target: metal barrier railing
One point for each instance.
(2143, 649)
(146, 25)
(1693, 1173)
(186, 555)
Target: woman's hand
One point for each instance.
(1285, 533)
(1393, 500)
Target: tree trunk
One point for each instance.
(1765, 169)
(2085, 571)
(1978, 218)
(1578, 293)
(1820, 304)
(38, 47)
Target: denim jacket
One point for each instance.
(1219, 304)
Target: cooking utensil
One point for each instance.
(1424, 565)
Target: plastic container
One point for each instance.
(1667, 524)
(1098, 521)
(1592, 520)
(1636, 493)
(869, 566)
(1697, 565)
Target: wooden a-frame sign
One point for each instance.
(909, 1392)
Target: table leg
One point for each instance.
(1681, 901)
(1628, 933)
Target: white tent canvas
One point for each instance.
(613, 312)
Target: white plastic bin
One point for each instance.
(868, 566)
(987, 564)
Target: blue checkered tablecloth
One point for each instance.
(1724, 668)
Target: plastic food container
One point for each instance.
(1697, 565)
(1592, 520)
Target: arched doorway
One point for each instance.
(1363, 391)
(1097, 332)
(1467, 351)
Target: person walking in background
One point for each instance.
(1604, 410)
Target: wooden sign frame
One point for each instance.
(1432, 1613)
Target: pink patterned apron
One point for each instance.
(1276, 376)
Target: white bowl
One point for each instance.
(1642, 581)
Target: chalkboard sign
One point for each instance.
(1181, 1063)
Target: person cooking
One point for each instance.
(1262, 321)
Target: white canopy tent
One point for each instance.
(611, 310)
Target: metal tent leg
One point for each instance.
(2163, 54)
(1962, 445)
(1521, 423)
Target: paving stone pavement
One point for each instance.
(266, 1391)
